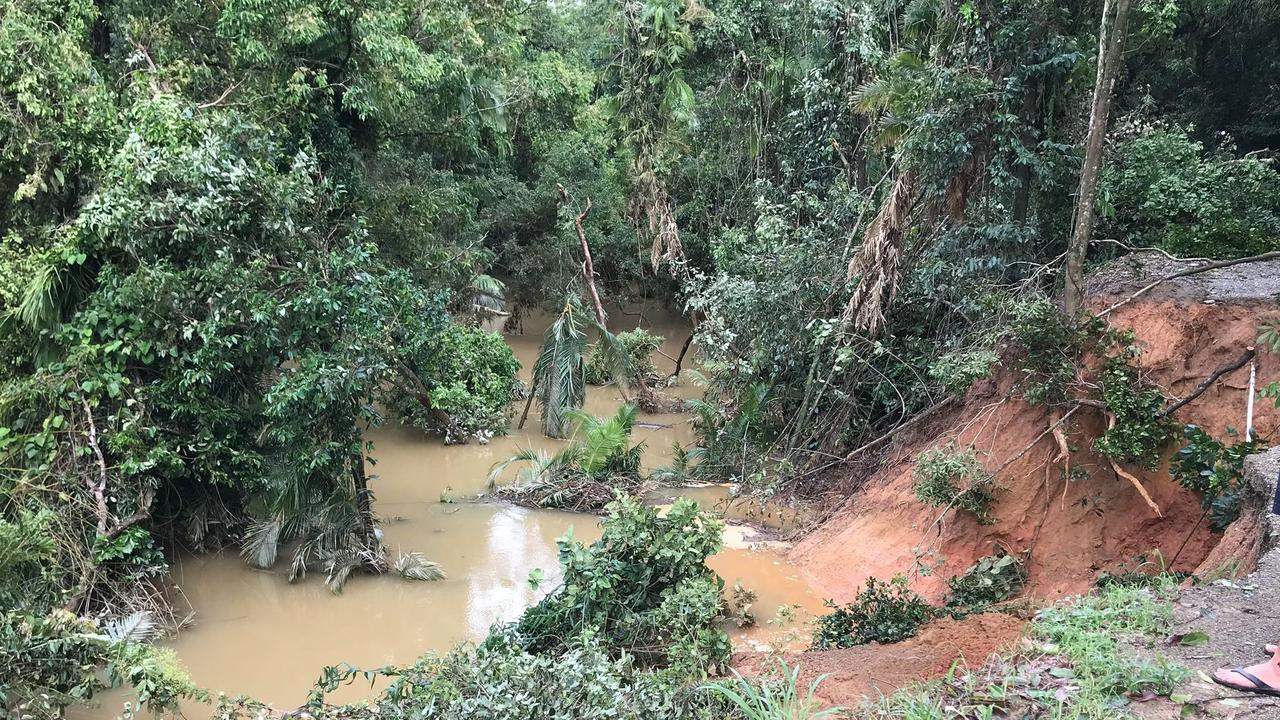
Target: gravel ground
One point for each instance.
(1124, 276)
(1237, 618)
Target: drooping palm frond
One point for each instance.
(326, 522)
(52, 294)
(42, 301)
(414, 566)
(559, 372)
(876, 266)
(540, 463)
(261, 543)
(134, 627)
(489, 294)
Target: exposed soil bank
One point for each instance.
(868, 671)
(1073, 528)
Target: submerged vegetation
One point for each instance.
(236, 236)
(630, 633)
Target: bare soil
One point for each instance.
(1071, 520)
(867, 671)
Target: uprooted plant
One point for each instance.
(883, 612)
(990, 580)
(1215, 470)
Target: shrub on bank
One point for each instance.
(883, 612)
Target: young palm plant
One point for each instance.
(559, 372)
(586, 474)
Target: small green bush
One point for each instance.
(991, 580)
(958, 371)
(638, 345)
(952, 478)
(643, 587)
(1215, 470)
(471, 376)
(1141, 432)
(883, 612)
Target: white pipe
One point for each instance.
(1248, 413)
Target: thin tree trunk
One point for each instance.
(588, 269)
(1115, 16)
(363, 500)
(533, 389)
(589, 274)
(680, 358)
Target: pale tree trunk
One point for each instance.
(1115, 16)
(588, 274)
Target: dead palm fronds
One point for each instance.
(878, 262)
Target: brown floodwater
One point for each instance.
(257, 634)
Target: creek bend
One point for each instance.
(256, 634)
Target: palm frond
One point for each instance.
(261, 543)
(338, 569)
(539, 459)
(559, 373)
(414, 566)
(602, 439)
(490, 294)
(39, 306)
(134, 627)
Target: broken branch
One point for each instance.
(1244, 359)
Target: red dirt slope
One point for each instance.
(1074, 529)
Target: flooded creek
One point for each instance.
(256, 634)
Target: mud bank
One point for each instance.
(1072, 524)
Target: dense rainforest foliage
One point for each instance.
(237, 234)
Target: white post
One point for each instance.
(1248, 413)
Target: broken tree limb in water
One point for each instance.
(680, 358)
(533, 389)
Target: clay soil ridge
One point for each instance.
(1070, 524)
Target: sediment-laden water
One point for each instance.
(257, 634)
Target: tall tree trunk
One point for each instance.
(1115, 16)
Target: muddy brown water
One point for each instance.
(257, 634)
